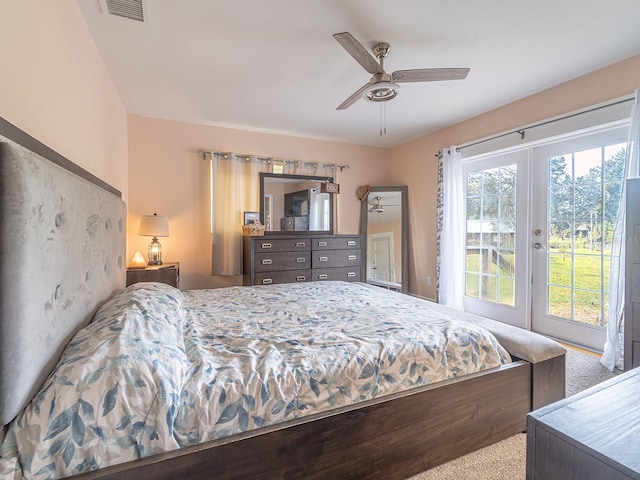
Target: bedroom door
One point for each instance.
(380, 258)
(497, 272)
(577, 186)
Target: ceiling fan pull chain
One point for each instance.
(383, 119)
(384, 105)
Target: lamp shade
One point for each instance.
(154, 226)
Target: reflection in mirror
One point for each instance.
(295, 203)
(384, 219)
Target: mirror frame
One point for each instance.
(404, 228)
(263, 176)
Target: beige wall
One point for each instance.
(168, 177)
(415, 163)
(54, 86)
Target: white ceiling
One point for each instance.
(273, 65)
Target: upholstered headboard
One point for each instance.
(62, 244)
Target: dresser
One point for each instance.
(594, 434)
(301, 258)
(632, 277)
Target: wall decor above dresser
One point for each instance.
(301, 258)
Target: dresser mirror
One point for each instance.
(385, 226)
(295, 204)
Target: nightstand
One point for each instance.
(168, 272)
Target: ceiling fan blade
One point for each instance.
(429, 74)
(353, 98)
(358, 52)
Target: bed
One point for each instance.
(147, 349)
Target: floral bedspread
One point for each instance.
(159, 369)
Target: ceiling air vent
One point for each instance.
(131, 9)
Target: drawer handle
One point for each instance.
(267, 281)
(351, 274)
(300, 278)
(351, 257)
(300, 244)
(301, 260)
(351, 243)
(267, 261)
(324, 259)
(266, 245)
(323, 276)
(322, 244)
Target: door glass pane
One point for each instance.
(560, 268)
(583, 199)
(560, 301)
(490, 237)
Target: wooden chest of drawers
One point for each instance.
(299, 258)
(592, 435)
(632, 269)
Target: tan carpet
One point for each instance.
(504, 460)
(507, 459)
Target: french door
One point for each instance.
(539, 225)
(496, 264)
(577, 185)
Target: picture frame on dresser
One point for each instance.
(251, 218)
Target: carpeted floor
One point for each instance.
(506, 460)
(584, 371)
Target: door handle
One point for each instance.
(538, 246)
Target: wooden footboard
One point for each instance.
(548, 381)
(391, 437)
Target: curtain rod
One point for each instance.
(521, 131)
(204, 153)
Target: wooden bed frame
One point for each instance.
(389, 437)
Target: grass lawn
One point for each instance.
(585, 303)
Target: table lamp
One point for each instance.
(154, 226)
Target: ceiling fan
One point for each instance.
(376, 207)
(383, 86)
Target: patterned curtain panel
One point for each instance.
(451, 239)
(439, 216)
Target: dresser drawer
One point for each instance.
(291, 276)
(332, 243)
(267, 262)
(336, 258)
(347, 274)
(282, 245)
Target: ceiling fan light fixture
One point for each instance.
(381, 92)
